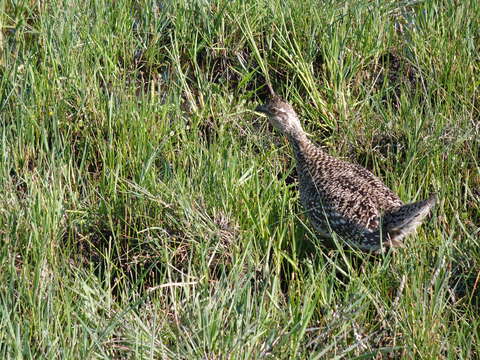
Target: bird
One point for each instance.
(342, 197)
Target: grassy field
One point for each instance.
(146, 212)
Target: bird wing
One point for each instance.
(350, 193)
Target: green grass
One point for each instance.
(147, 212)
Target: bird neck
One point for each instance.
(303, 148)
(299, 142)
(296, 135)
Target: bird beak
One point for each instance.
(261, 109)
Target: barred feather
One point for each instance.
(342, 197)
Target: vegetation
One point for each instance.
(147, 212)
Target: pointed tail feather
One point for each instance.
(404, 220)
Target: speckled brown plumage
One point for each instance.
(342, 197)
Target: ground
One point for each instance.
(147, 212)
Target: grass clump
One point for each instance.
(146, 212)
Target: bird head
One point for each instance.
(281, 116)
